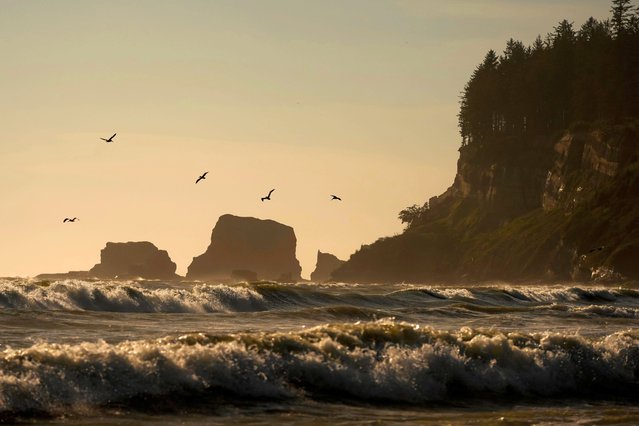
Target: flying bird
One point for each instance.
(335, 197)
(66, 219)
(110, 139)
(596, 249)
(201, 177)
(268, 197)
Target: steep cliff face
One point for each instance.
(326, 264)
(262, 248)
(585, 161)
(506, 177)
(523, 209)
(134, 259)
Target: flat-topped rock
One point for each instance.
(140, 259)
(263, 247)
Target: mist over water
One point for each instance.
(114, 350)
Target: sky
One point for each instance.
(353, 97)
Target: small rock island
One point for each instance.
(134, 259)
(248, 247)
(131, 260)
(326, 264)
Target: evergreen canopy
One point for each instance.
(588, 74)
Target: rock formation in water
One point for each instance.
(130, 260)
(326, 264)
(79, 275)
(250, 248)
(134, 259)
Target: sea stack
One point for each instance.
(132, 260)
(326, 264)
(264, 247)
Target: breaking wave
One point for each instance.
(113, 296)
(128, 297)
(383, 361)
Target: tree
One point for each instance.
(564, 34)
(621, 16)
(592, 30)
(537, 46)
(412, 215)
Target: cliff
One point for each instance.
(557, 207)
(246, 246)
(134, 259)
(326, 264)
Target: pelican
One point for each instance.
(268, 197)
(201, 177)
(110, 139)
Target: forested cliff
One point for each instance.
(547, 183)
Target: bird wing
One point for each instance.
(205, 173)
(113, 136)
(103, 139)
(65, 219)
(198, 179)
(270, 192)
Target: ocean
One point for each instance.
(149, 352)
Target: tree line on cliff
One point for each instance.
(576, 89)
(571, 75)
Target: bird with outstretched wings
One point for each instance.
(110, 139)
(268, 197)
(201, 177)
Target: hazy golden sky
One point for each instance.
(354, 97)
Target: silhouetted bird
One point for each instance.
(596, 249)
(201, 177)
(335, 197)
(110, 139)
(268, 197)
(66, 219)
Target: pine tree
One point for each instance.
(621, 16)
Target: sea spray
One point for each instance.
(382, 360)
(114, 296)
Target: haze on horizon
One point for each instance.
(355, 98)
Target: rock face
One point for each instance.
(134, 259)
(326, 264)
(264, 248)
(523, 209)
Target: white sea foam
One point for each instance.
(379, 360)
(127, 297)
(118, 296)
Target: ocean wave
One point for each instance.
(128, 297)
(383, 361)
(525, 294)
(116, 296)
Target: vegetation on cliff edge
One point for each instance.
(513, 111)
